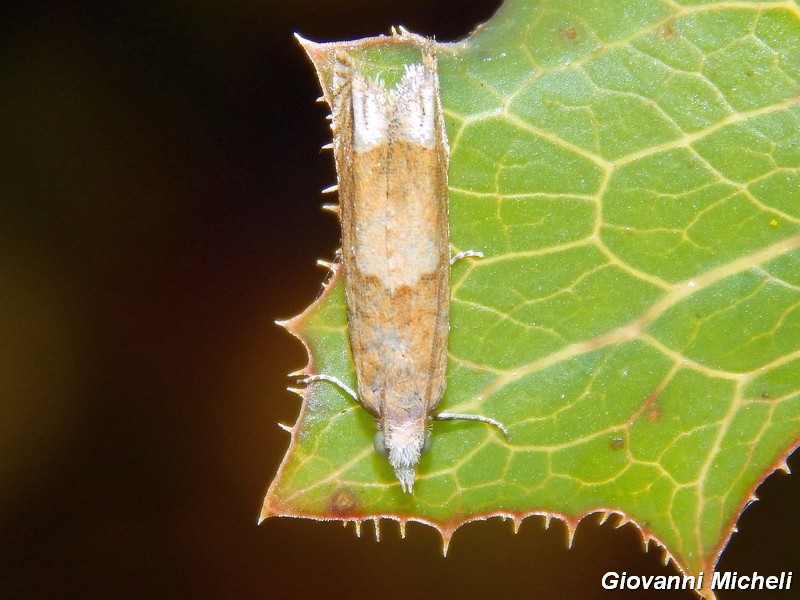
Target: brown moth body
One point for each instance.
(391, 157)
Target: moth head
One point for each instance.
(403, 445)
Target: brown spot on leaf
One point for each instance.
(666, 31)
(651, 408)
(654, 413)
(570, 34)
(343, 502)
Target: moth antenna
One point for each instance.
(466, 254)
(335, 381)
(448, 416)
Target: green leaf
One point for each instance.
(631, 170)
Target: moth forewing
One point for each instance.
(391, 156)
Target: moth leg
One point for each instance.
(335, 381)
(466, 254)
(448, 416)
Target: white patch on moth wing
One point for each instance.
(414, 102)
(414, 257)
(413, 253)
(370, 113)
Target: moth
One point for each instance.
(391, 154)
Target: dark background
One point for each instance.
(161, 177)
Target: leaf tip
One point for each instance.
(301, 40)
(446, 537)
(267, 510)
(311, 48)
(289, 325)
